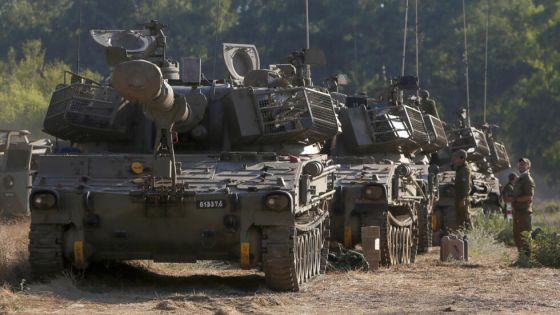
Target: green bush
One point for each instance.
(484, 236)
(495, 225)
(26, 86)
(545, 250)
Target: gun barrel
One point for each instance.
(142, 81)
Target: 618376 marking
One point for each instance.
(205, 204)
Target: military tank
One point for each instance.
(383, 178)
(169, 166)
(486, 156)
(17, 168)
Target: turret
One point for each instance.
(388, 123)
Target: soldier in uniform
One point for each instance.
(463, 119)
(523, 192)
(427, 104)
(462, 187)
(507, 193)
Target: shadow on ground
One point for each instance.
(118, 282)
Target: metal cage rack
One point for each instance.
(471, 140)
(499, 158)
(401, 126)
(298, 115)
(84, 111)
(436, 134)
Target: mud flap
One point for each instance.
(245, 257)
(371, 245)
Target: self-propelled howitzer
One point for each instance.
(197, 174)
(383, 179)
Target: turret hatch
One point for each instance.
(135, 42)
(240, 59)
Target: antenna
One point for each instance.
(355, 42)
(383, 69)
(78, 39)
(404, 39)
(216, 30)
(384, 75)
(486, 60)
(416, 39)
(306, 24)
(466, 60)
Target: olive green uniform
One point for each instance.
(524, 186)
(429, 106)
(462, 193)
(507, 191)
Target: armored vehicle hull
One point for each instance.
(17, 167)
(379, 182)
(208, 190)
(370, 194)
(224, 207)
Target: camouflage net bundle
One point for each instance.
(343, 259)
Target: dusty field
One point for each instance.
(483, 285)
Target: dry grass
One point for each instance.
(547, 216)
(13, 251)
(486, 284)
(486, 238)
(480, 286)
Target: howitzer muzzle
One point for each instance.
(142, 81)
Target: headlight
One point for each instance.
(277, 202)
(374, 192)
(43, 200)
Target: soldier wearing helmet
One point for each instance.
(462, 187)
(427, 104)
(523, 192)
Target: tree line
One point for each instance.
(361, 38)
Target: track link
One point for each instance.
(398, 244)
(425, 230)
(293, 256)
(45, 250)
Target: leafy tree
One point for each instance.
(26, 86)
(360, 38)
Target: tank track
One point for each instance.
(292, 255)
(45, 250)
(397, 242)
(425, 230)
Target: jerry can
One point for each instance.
(453, 247)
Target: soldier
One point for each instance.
(462, 187)
(507, 195)
(427, 104)
(463, 119)
(523, 192)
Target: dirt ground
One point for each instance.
(479, 286)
